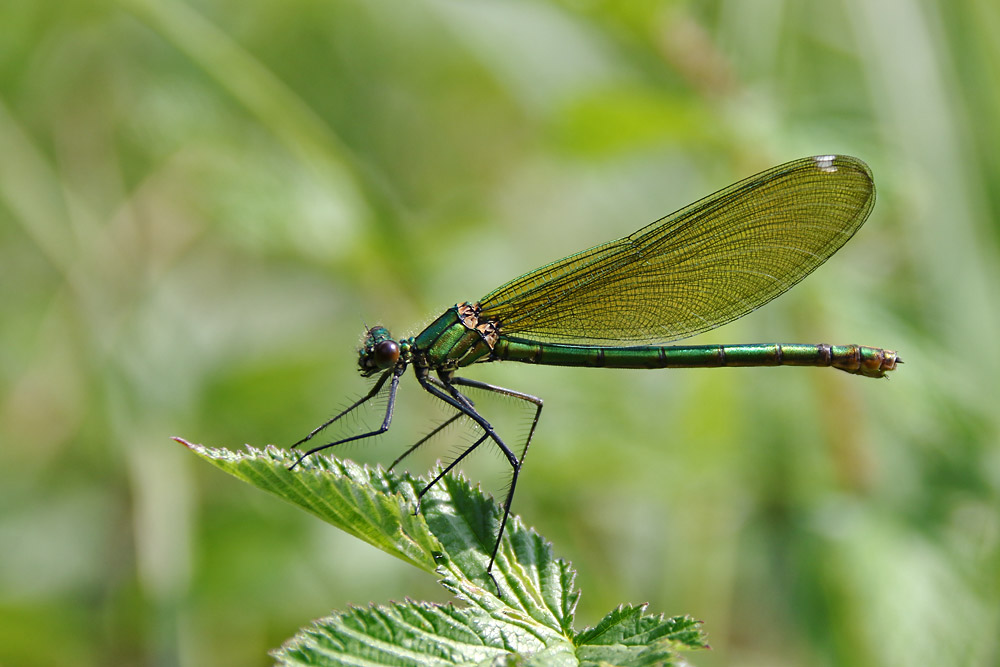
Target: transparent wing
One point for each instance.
(707, 264)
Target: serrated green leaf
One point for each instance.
(452, 535)
(416, 633)
(362, 501)
(535, 584)
(402, 634)
(528, 623)
(627, 636)
(629, 625)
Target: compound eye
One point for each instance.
(386, 354)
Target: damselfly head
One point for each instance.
(379, 352)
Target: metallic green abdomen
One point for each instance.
(855, 359)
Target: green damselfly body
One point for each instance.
(618, 304)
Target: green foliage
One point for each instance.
(201, 201)
(529, 621)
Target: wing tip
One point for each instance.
(833, 163)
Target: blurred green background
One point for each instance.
(202, 203)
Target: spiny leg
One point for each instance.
(471, 448)
(451, 420)
(465, 400)
(448, 386)
(441, 427)
(454, 398)
(386, 421)
(358, 403)
(534, 400)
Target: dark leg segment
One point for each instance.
(386, 421)
(534, 400)
(448, 469)
(461, 403)
(445, 390)
(415, 446)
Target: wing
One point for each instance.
(707, 264)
